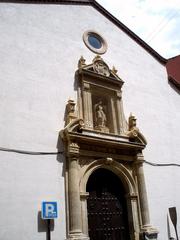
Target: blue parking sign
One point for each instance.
(49, 210)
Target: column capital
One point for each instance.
(119, 94)
(86, 86)
(139, 159)
(73, 149)
(140, 156)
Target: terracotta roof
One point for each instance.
(102, 10)
(173, 70)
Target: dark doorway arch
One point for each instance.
(106, 205)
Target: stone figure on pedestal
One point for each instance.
(100, 117)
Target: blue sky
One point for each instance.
(157, 22)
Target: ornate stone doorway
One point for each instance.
(98, 136)
(107, 208)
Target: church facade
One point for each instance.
(89, 119)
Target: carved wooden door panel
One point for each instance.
(107, 212)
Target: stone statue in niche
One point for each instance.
(100, 117)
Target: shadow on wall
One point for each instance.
(60, 147)
(42, 225)
(60, 156)
(168, 230)
(172, 217)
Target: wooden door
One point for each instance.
(106, 204)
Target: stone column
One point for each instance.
(75, 221)
(146, 228)
(142, 191)
(113, 118)
(122, 124)
(87, 105)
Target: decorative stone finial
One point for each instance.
(70, 111)
(71, 106)
(81, 62)
(114, 70)
(97, 58)
(132, 122)
(134, 132)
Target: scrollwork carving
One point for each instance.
(100, 66)
(80, 126)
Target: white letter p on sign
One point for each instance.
(49, 209)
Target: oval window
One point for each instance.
(95, 42)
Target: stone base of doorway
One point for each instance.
(149, 233)
(77, 236)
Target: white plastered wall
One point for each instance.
(39, 49)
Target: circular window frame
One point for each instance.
(103, 42)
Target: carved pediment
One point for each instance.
(99, 68)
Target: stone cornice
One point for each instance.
(119, 142)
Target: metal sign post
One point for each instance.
(48, 229)
(48, 212)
